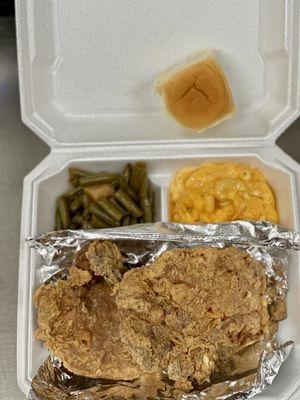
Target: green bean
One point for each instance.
(128, 203)
(143, 190)
(133, 221)
(79, 172)
(74, 182)
(144, 200)
(126, 220)
(118, 205)
(64, 212)
(110, 209)
(95, 210)
(128, 189)
(146, 207)
(86, 225)
(85, 214)
(76, 203)
(85, 201)
(116, 183)
(58, 224)
(133, 181)
(103, 177)
(97, 223)
(127, 173)
(137, 175)
(77, 219)
(131, 203)
(150, 195)
(72, 226)
(74, 192)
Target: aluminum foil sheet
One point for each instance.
(141, 245)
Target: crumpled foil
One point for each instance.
(142, 244)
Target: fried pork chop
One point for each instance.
(191, 313)
(79, 323)
(192, 310)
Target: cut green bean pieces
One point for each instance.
(85, 214)
(97, 223)
(118, 205)
(58, 224)
(147, 212)
(137, 175)
(76, 174)
(86, 225)
(128, 189)
(151, 195)
(110, 209)
(128, 203)
(104, 177)
(74, 192)
(143, 191)
(72, 226)
(74, 182)
(127, 173)
(126, 220)
(95, 210)
(77, 219)
(76, 204)
(132, 201)
(64, 212)
(133, 221)
(144, 200)
(79, 172)
(85, 201)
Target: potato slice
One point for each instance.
(98, 192)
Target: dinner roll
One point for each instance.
(196, 93)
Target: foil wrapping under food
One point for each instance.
(141, 245)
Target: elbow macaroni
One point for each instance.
(221, 192)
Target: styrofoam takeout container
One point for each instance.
(86, 70)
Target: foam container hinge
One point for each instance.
(86, 69)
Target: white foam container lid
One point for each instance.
(87, 66)
(86, 70)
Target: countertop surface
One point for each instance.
(20, 151)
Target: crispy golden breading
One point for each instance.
(192, 309)
(191, 313)
(80, 325)
(80, 259)
(105, 260)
